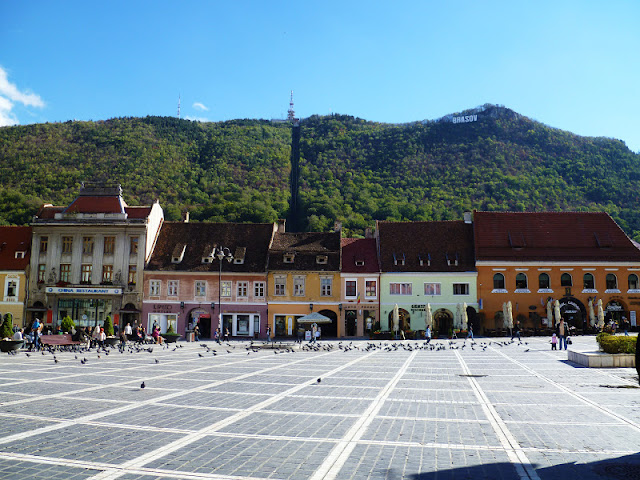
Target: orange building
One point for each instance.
(577, 258)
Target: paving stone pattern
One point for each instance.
(497, 410)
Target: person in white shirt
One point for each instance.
(18, 335)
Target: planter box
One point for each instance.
(111, 341)
(10, 345)
(170, 338)
(602, 360)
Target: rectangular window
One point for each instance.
(461, 289)
(298, 286)
(85, 276)
(109, 245)
(172, 288)
(242, 289)
(44, 244)
(67, 244)
(12, 289)
(280, 285)
(87, 245)
(400, 288)
(350, 287)
(326, 284)
(65, 272)
(132, 277)
(432, 289)
(154, 288)
(226, 289)
(258, 289)
(42, 272)
(107, 273)
(133, 245)
(371, 289)
(201, 288)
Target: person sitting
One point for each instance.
(156, 335)
(18, 335)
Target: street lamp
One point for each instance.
(222, 253)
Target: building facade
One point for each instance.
(360, 286)
(577, 258)
(427, 266)
(187, 283)
(15, 252)
(304, 277)
(88, 258)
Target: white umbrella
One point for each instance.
(505, 323)
(592, 315)
(556, 307)
(509, 314)
(465, 318)
(428, 317)
(549, 313)
(396, 318)
(600, 315)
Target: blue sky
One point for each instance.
(573, 65)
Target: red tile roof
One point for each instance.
(551, 236)
(440, 245)
(359, 250)
(307, 247)
(97, 204)
(12, 240)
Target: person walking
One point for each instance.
(516, 330)
(35, 333)
(196, 332)
(427, 333)
(268, 334)
(470, 332)
(314, 331)
(562, 334)
(554, 342)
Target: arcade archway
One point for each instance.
(442, 322)
(404, 320)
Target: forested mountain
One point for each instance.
(351, 170)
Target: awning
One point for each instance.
(314, 317)
(36, 309)
(129, 310)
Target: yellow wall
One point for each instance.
(16, 308)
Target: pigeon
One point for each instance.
(319, 380)
(142, 385)
(200, 355)
(157, 361)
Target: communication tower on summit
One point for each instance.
(291, 114)
(178, 106)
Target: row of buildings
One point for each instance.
(98, 257)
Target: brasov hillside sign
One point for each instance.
(465, 119)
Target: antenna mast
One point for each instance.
(291, 114)
(178, 106)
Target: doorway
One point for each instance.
(351, 319)
(443, 322)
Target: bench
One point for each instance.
(64, 340)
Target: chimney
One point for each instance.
(281, 225)
(368, 232)
(337, 226)
(185, 217)
(467, 217)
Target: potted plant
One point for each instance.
(111, 339)
(67, 324)
(7, 343)
(170, 336)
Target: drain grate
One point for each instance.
(619, 471)
(471, 376)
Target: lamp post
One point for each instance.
(221, 253)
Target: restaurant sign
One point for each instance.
(85, 290)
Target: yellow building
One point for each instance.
(15, 246)
(303, 277)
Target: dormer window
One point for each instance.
(360, 263)
(207, 259)
(178, 253)
(452, 261)
(238, 256)
(289, 257)
(322, 259)
(20, 254)
(425, 261)
(398, 260)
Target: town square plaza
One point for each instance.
(489, 409)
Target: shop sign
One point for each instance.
(418, 308)
(615, 308)
(85, 290)
(162, 308)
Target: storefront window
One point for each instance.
(163, 320)
(242, 327)
(85, 312)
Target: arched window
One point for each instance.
(521, 281)
(543, 281)
(633, 282)
(589, 282)
(566, 280)
(498, 281)
(612, 282)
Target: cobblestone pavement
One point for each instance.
(493, 409)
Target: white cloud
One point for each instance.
(10, 94)
(200, 106)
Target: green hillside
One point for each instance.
(351, 170)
